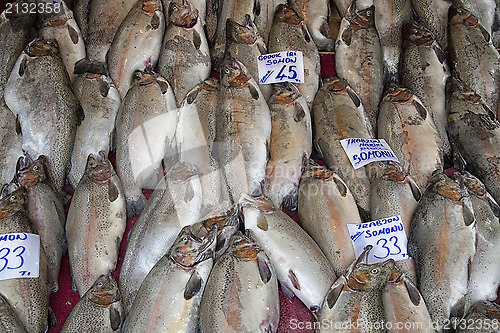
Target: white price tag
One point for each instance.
(387, 236)
(281, 67)
(364, 151)
(19, 256)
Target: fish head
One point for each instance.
(459, 89)
(42, 47)
(192, 247)
(261, 203)
(459, 15)
(387, 170)
(366, 277)
(398, 94)
(57, 21)
(335, 85)
(245, 33)
(104, 291)
(473, 184)
(417, 33)
(99, 168)
(363, 19)
(211, 84)
(13, 199)
(243, 248)
(285, 93)
(221, 219)
(33, 172)
(182, 14)
(234, 73)
(285, 13)
(488, 309)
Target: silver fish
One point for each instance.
(289, 32)
(9, 323)
(302, 268)
(482, 318)
(137, 43)
(100, 102)
(264, 18)
(484, 10)
(185, 56)
(241, 294)
(10, 143)
(326, 206)
(290, 145)
(96, 223)
(358, 59)
(435, 15)
(170, 296)
(145, 128)
(39, 93)
(175, 203)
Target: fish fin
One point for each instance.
(440, 54)
(221, 242)
(103, 87)
(191, 96)
(290, 200)
(264, 270)
(80, 115)
(485, 33)
(341, 186)
(52, 318)
(333, 295)
(307, 36)
(262, 223)
(112, 192)
(262, 48)
(163, 86)
(415, 190)
(412, 292)
(196, 39)
(287, 291)
(155, 21)
(293, 278)
(458, 310)
(115, 318)
(422, 111)
(468, 211)
(493, 204)
(347, 36)
(73, 35)
(193, 286)
(18, 125)
(354, 97)
(253, 91)
(324, 29)
(22, 67)
(257, 8)
(189, 194)
(299, 112)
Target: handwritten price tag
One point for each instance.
(19, 256)
(287, 66)
(386, 235)
(364, 151)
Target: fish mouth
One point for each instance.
(100, 169)
(261, 203)
(363, 19)
(236, 76)
(471, 183)
(287, 94)
(27, 178)
(286, 14)
(42, 47)
(92, 76)
(336, 85)
(211, 84)
(418, 33)
(150, 7)
(107, 291)
(57, 21)
(183, 15)
(318, 172)
(399, 95)
(197, 248)
(246, 251)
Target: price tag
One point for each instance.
(364, 151)
(19, 256)
(287, 66)
(387, 236)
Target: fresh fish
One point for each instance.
(302, 268)
(406, 125)
(81, 13)
(435, 15)
(104, 19)
(175, 203)
(356, 297)
(264, 18)
(64, 29)
(474, 58)
(484, 10)
(404, 308)
(424, 70)
(96, 223)
(27, 296)
(245, 44)
(326, 206)
(137, 43)
(243, 130)
(9, 323)
(359, 61)
(390, 16)
(475, 132)
(100, 102)
(241, 294)
(99, 310)
(185, 55)
(290, 33)
(15, 30)
(442, 242)
(145, 128)
(10, 143)
(315, 14)
(46, 212)
(482, 318)
(170, 296)
(290, 145)
(39, 93)
(338, 114)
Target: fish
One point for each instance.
(435, 15)
(301, 267)
(100, 101)
(424, 70)
(146, 119)
(137, 43)
(99, 310)
(483, 10)
(63, 28)
(243, 131)
(95, 223)
(185, 57)
(359, 60)
(46, 212)
(474, 132)
(290, 32)
(315, 15)
(474, 58)
(175, 203)
(39, 93)
(81, 13)
(10, 143)
(290, 145)
(170, 296)
(356, 297)
(27, 296)
(212, 7)
(442, 243)
(326, 206)
(390, 16)
(9, 322)
(245, 44)
(482, 318)
(241, 294)
(407, 127)
(338, 114)
(264, 18)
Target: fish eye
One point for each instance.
(184, 238)
(93, 164)
(374, 271)
(36, 168)
(99, 285)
